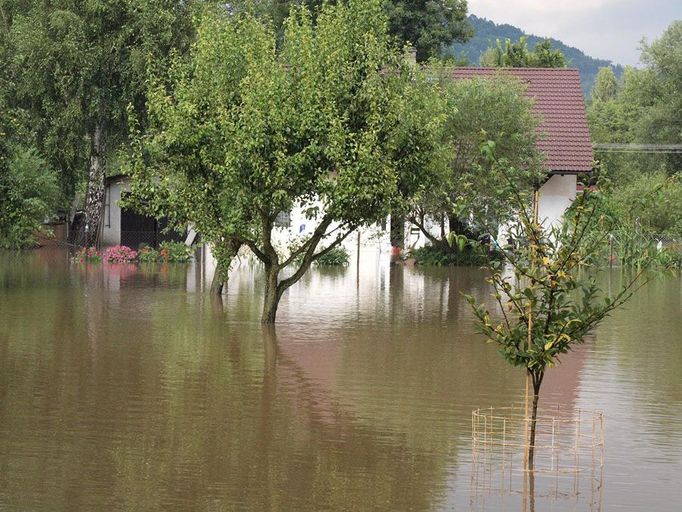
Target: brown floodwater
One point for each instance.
(125, 388)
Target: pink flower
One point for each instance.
(119, 254)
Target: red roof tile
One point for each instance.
(558, 100)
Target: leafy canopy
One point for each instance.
(428, 25)
(477, 110)
(29, 194)
(547, 303)
(245, 128)
(643, 108)
(79, 64)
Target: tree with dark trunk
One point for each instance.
(397, 230)
(245, 128)
(78, 68)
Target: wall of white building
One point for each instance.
(555, 197)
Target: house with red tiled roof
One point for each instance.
(564, 136)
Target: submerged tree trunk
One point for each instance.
(531, 491)
(219, 282)
(274, 288)
(397, 231)
(224, 256)
(537, 382)
(94, 198)
(273, 293)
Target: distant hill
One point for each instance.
(487, 32)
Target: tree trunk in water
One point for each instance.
(537, 382)
(224, 256)
(266, 432)
(531, 491)
(272, 295)
(397, 231)
(219, 281)
(94, 198)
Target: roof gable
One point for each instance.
(558, 100)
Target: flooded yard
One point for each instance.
(127, 388)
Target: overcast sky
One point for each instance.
(607, 29)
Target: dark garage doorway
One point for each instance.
(138, 230)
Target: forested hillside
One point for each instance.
(487, 32)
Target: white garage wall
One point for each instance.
(555, 197)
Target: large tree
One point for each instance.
(429, 25)
(78, 66)
(644, 107)
(647, 101)
(479, 109)
(29, 190)
(245, 128)
(662, 120)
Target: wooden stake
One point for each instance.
(528, 344)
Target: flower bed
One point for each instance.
(169, 252)
(87, 255)
(119, 254)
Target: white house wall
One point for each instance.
(301, 227)
(555, 197)
(376, 235)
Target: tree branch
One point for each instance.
(422, 228)
(254, 248)
(315, 239)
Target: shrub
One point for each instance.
(29, 194)
(87, 255)
(337, 257)
(119, 254)
(670, 257)
(472, 254)
(174, 252)
(148, 255)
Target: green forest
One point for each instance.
(642, 188)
